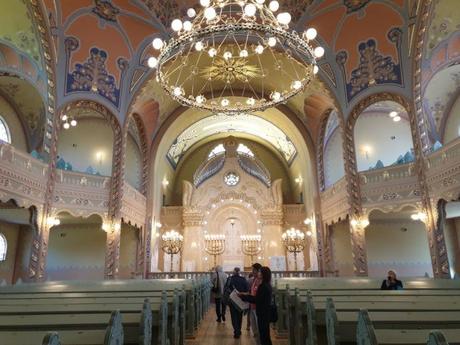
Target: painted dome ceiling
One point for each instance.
(100, 48)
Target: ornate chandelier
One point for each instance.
(235, 56)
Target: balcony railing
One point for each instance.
(81, 194)
(22, 177)
(334, 201)
(134, 205)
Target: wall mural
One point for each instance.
(240, 123)
(92, 76)
(374, 68)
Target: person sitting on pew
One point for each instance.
(391, 283)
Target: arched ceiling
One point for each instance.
(440, 65)
(18, 30)
(239, 124)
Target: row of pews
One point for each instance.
(141, 312)
(336, 311)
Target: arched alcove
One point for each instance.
(333, 165)
(89, 145)
(76, 249)
(136, 151)
(394, 240)
(16, 228)
(382, 136)
(441, 104)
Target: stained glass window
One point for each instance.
(4, 131)
(216, 150)
(245, 150)
(231, 179)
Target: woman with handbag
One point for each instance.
(218, 282)
(265, 309)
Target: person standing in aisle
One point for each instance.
(218, 283)
(253, 285)
(263, 301)
(238, 283)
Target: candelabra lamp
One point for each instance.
(214, 245)
(294, 241)
(250, 245)
(172, 243)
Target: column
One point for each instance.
(112, 249)
(193, 251)
(358, 246)
(434, 223)
(272, 229)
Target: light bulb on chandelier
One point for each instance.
(247, 43)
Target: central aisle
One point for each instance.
(212, 333)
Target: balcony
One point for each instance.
(443, 175)
(134, 206)
(334, 202)
(81, 194)
(389, 188)
(22, 177)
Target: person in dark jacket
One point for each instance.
(240, 284)
(391, 283)
(263, 300)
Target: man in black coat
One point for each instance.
(239, 283)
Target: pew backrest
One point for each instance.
(114, 334)
(332, 323)
(52, 338)
(145, 326)
(365, 333)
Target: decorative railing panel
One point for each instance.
(443, 174)
(81, 194)
(334, 202)
(134, 206)
(389, 188)
(22, 177)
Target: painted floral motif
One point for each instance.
(105, 10)
(165, 10)
(355, 5)
(373, 69)
(92, 76)
(296, 7)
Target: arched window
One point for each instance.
(3, 248)
(216, 150)
(244, 150)
(4, 131)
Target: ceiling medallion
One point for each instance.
(233, 56)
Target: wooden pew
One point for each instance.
(390, 327)
(57, 309)
(367, 335)
(111, 334)
(187, 305)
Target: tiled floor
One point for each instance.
(212, 333)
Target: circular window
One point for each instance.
(231, 178)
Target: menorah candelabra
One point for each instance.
(250, 245)
(214, 245)
(172, 243)
(294, 241)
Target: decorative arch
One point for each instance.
(143, 146)
(116, 188)
(351, 169)
(321, 142)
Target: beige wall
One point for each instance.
(79, 145)
(452, 235)
(18, 137)
(128, 251)
(374, 130)
(133, 164)
(452, 126)
(341, 247)
(11, 233)
(400, 245)
(76, 251)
